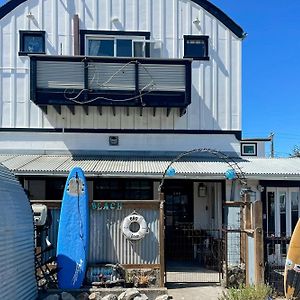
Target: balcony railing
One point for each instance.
(95, 81)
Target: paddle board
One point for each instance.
(73, 232)
(292, 266)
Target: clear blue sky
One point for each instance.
(271, 68)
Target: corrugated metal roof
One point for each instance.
(154, 166)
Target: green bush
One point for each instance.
(253, 292)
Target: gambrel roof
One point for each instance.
(208, 6)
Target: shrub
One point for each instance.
(252, 292)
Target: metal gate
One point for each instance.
(194, 255)
(275, 256)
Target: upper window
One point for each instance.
(116, 44)
(32, 42)
(249, 149)
(196, 47)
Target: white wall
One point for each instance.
(47, 142)
(216, 84)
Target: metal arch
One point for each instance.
(230, 161)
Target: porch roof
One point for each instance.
(144, 166)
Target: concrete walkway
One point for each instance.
(195, 292)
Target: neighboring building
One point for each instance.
(120, 88)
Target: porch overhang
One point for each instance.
(197, 168)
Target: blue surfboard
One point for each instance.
(73, 232)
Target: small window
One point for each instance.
(32, 42)
(196, 47)
(249, 149)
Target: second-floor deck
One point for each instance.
(98, 81)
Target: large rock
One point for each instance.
(83, 296)
(141, 297)
(52, 297)
(67, 296)
(162, 297)
(95, 296)
(129, 294)
(110, 297)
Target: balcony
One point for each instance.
(98, 81)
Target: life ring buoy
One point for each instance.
(142, 229)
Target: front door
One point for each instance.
(179, 216)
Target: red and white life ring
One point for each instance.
(127, 224)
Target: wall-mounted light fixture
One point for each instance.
(30, 16)
(202, 190)
(115, 19)
(196, 21)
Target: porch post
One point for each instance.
(162, 239)
(258, 242)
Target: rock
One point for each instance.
(110, 297)
(95, 296)
(121, 296)
(129, 294)
(52, 297)
(162, 297)
(83, 296)
(67, 296)
(141, 297)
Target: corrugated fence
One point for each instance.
(107, 242)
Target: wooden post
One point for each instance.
(258, 242)
(162, 240)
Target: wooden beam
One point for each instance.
(57, 108)
(71, 108)
(76, 34)
(99, 108)
(85, 109)
(44, 109)
(182, 111)
(154, 111)
(258, 242)
(168, 111)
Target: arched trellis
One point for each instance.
(240, 175)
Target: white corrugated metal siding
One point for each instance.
(216, 101)
(17, 271)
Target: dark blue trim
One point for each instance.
(209, 7)
(236, 133)
(279, 183)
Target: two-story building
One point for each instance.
(121, 88)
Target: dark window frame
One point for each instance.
(248, 144)
(196, 37)
(108, 33)
(39, 33)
